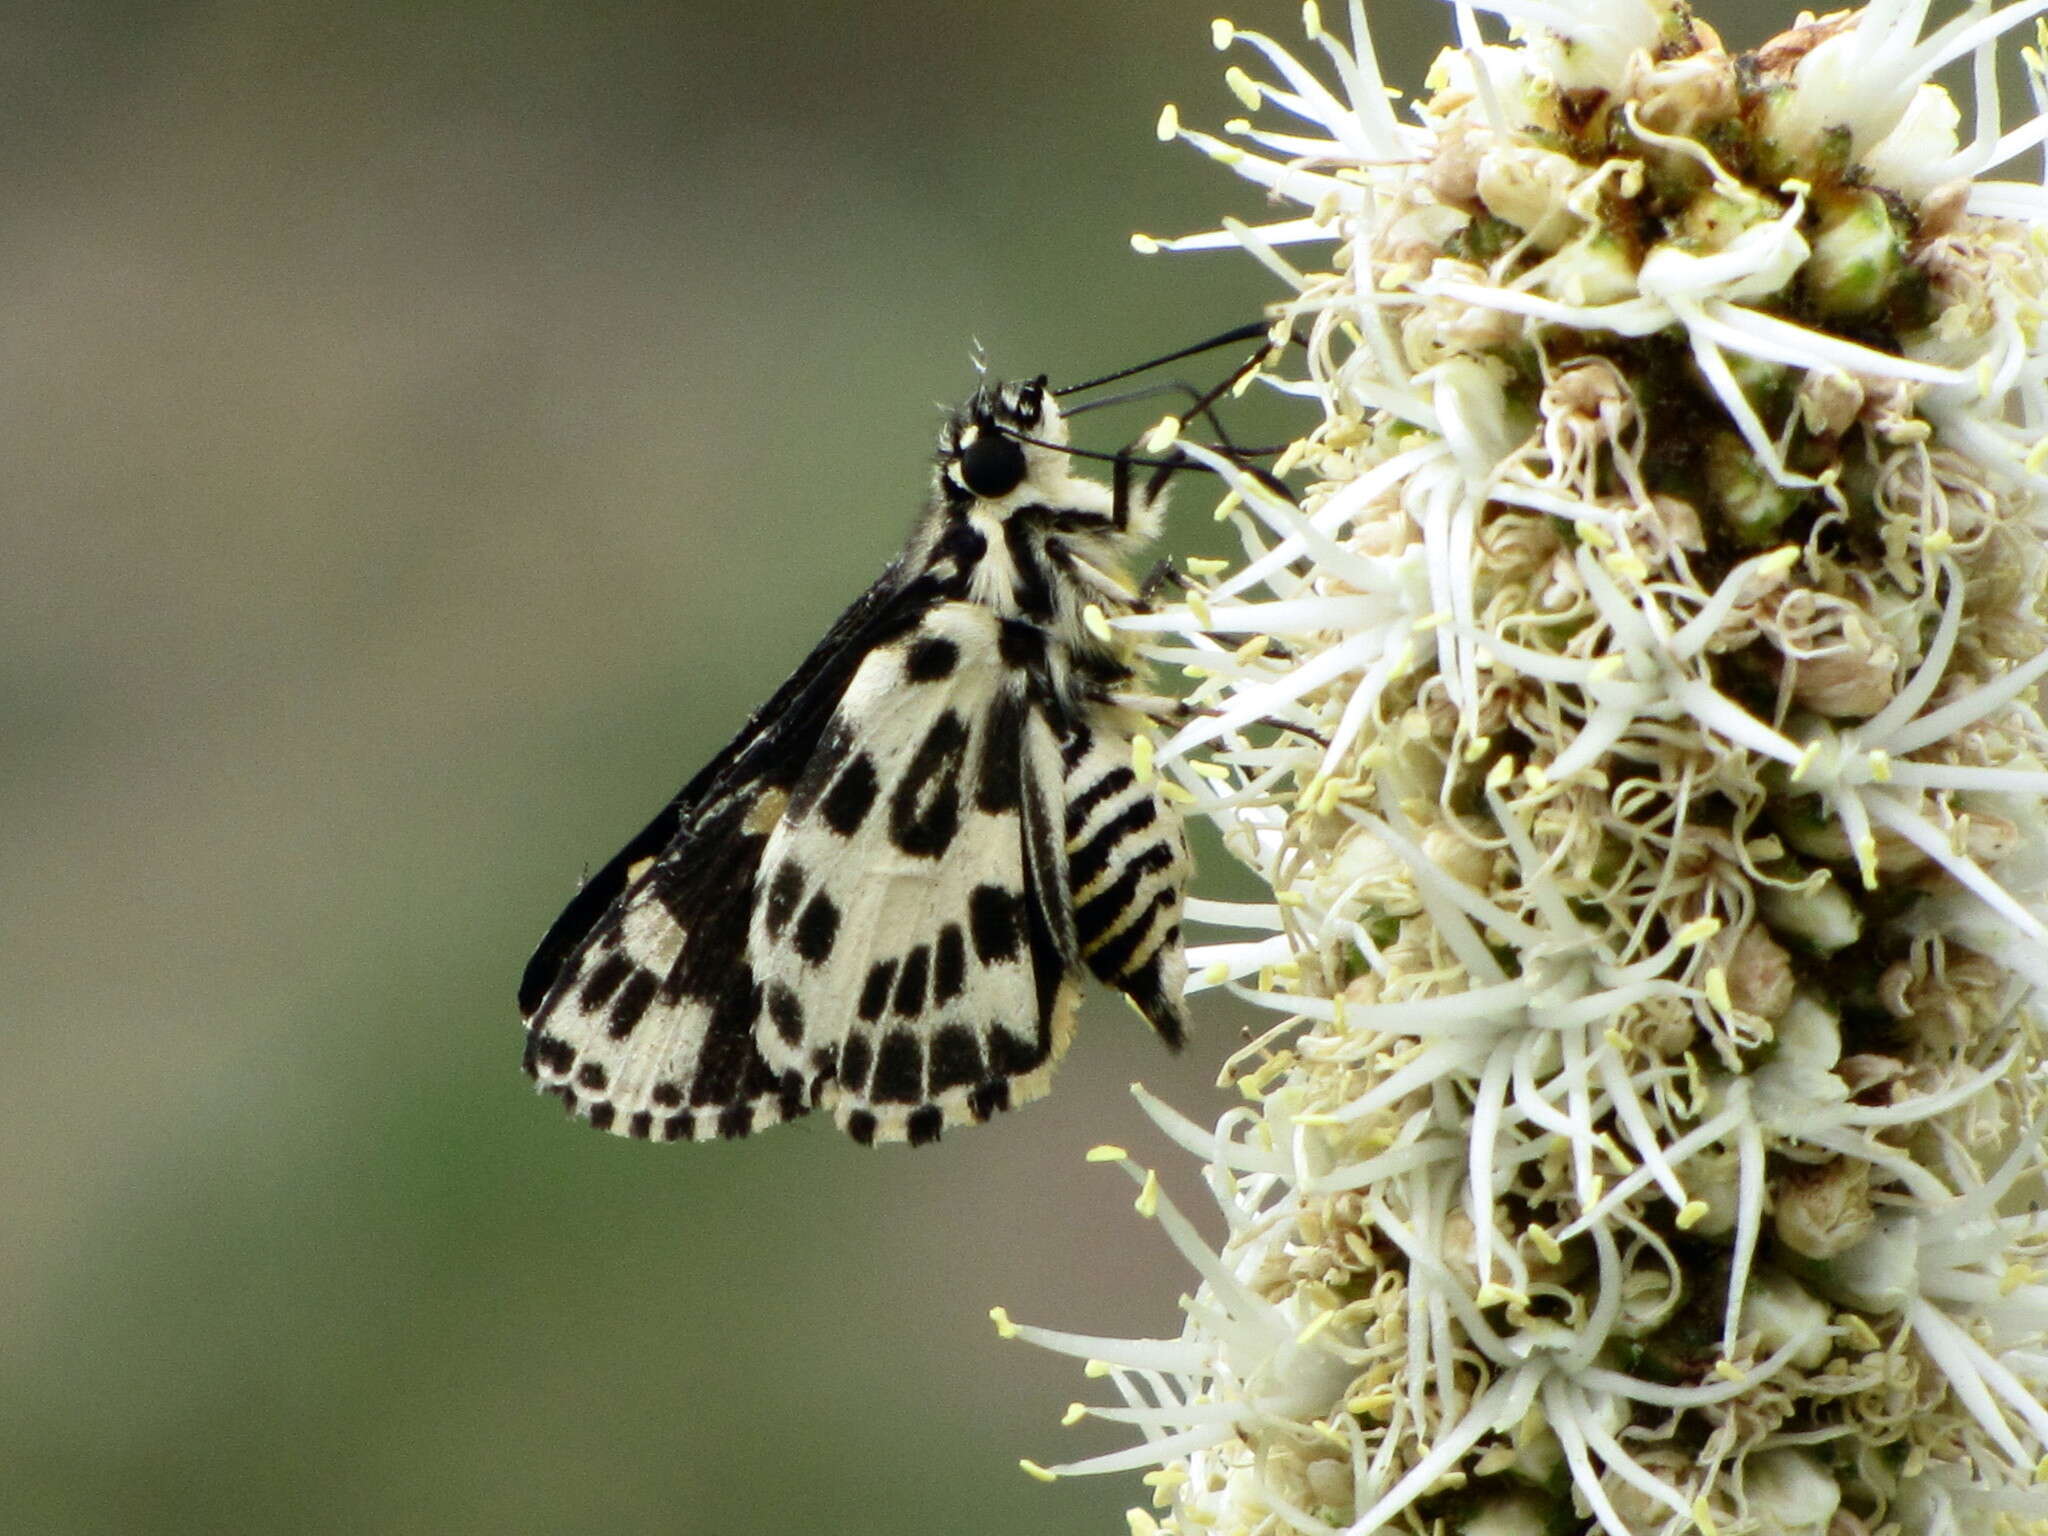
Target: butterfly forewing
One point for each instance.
(878, 900)
(898, 891)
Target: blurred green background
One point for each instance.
(434, 428)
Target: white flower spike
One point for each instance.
(1653, 1137)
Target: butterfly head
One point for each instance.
(1005, 441)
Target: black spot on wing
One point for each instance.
(899, 1069)
(605, 978)
(548, 1051)
(874, 993)
(924, 810)
(834, 748)
(631, 1004)
(923, 1125)
(910, 983)
(860, 1125)
(931, 658)
(852, 796)
(993, 917)
(949, 964)
(786, 1011)
(728, 1055)
(593, 1077)
(641, 1126)
(735, 1120)
(602, 1114)
(856, 1056)
(1000, 784)
(817, 929)
(990, 1097)
(1012, 1055)
(667, 1095)
(784, 892)
(681, 1127)
(955, 1058)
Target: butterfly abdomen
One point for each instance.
(1127, 866)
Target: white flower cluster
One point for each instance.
(1634, 715)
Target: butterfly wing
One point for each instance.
(913, 933)
(639, 1006)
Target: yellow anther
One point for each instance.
(1075, 1413)
(1035, 1470)
(1106, 1153)
(1093, 621)
(1143, 750)
(1778, 561)
(1169, 123)
(1692, 1213)
(1005, 1329)
(1147, 1203)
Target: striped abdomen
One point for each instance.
(1127, 865)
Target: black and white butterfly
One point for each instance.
(880, 897)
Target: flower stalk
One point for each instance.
(1633, 712)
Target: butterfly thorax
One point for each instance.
(1015, 530)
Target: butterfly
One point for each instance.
(880, 899)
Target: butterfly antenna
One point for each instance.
(1258, 328)
(1200, 406)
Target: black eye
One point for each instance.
(992, 465)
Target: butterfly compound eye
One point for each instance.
(992, 465)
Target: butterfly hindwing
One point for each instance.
(651, 1029)
(913, 965)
